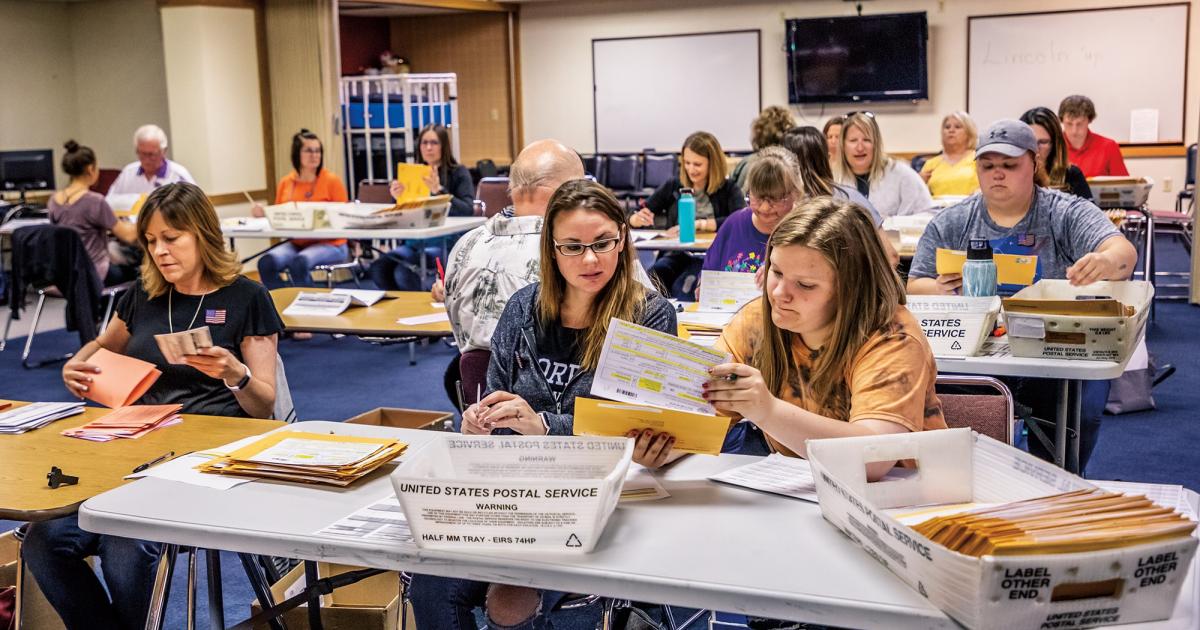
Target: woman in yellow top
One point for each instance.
(829, 350)
(953, 171)
(310, 181)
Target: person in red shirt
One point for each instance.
(1094, 154)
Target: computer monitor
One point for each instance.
(27, 170)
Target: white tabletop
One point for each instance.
(1074, 369)
(453, 225)
(15, 224)
(708, 546)
(673, 245)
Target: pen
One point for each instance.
(441, 271)
(157, 460)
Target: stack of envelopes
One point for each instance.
(337, 460)
(1083, 520)
(36, 415)
(131, 422)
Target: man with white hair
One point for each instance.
(152, 168)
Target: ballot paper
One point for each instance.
(644, 235)
(36, 415)
(308, 303)
(382, 520)
(175, 346)
(647, 367)
(130, 422)
(432, 318)
(715, 320)
(303, 452)
(726, 291)
(777, 474)
(360, 297)
(641, 485)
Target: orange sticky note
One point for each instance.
(121, 381)
(950, 261)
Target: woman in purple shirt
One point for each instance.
(772, 184)
(87, 212)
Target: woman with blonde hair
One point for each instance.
(952, 172)
(544, 354)
(829, 350)
(702, 169)
(186, 265)
(766, 131)
(893, 188)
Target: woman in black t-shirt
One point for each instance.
(189, 280)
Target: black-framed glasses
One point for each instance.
(602, 246)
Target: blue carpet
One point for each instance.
(333, 379)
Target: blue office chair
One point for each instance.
(658, 169)
(623, 174)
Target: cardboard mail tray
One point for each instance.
(1102, 321)
(957, 466)
(1120, 191)
(536, 493)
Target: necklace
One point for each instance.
(170, 313)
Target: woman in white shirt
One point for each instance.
(891, 186)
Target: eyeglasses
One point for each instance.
(312, 151)
(430, 143)
(787, 202)
(602, 246)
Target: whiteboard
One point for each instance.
(651, 92)
(1124, 59)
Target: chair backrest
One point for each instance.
(623, 172)
(472, 368)
(106, 179)
(493, 192)
(918, 161)
(486, 168)
(594, 165)
(285, 409)
(369, 192)
(1190, 178)
(658, 169)
(992, 415)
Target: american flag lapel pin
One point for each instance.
(214, 316)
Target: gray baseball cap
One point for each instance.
(1008, 137)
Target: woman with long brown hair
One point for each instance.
(829, 350)
(544, 353)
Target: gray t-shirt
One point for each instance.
(704, 206)
(91, 216)
(1059, 229)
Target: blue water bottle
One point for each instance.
(687, 216)
(979, 272)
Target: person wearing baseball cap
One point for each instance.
(1017, 214)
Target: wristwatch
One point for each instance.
(240, 384)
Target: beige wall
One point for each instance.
(556, 71)
(38, 109)
(120, 79)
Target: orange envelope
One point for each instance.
(121, 381)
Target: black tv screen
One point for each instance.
(860, 58)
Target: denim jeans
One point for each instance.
(1041, 395)
(677, 273)
(297, 262)
(394, 271)
(450, 603)
(55, 551)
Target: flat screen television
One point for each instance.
(858, 58)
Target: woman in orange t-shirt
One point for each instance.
(311, 181)
(829, 350)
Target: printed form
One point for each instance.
(647, 367)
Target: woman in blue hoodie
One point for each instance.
(544, 354)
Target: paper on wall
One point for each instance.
(647, 367)
(1143, 125)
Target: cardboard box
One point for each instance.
(1119, 191)
(405, 418)
(955, 326)
(372, 604)
(1102, 321)
(955, 466)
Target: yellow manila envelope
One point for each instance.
(1010, 268)
(693, 432)
(412, 176)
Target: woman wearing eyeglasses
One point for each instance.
(544, 352)
(310, 181)
(394, 271)
(1052, 153)
(892, 186)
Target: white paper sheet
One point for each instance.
(360, 297)
(1165, 495)
(712, 320)
(36, 415)
(382, 520)
(183, 470)
(301, 452)
(641, 485)
(247, 224)
(643, 235)
(1143, 125)
(432, 318)
(777, 474)
(318, 304)
(174, 346)
(726, 291)
(647, 367)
